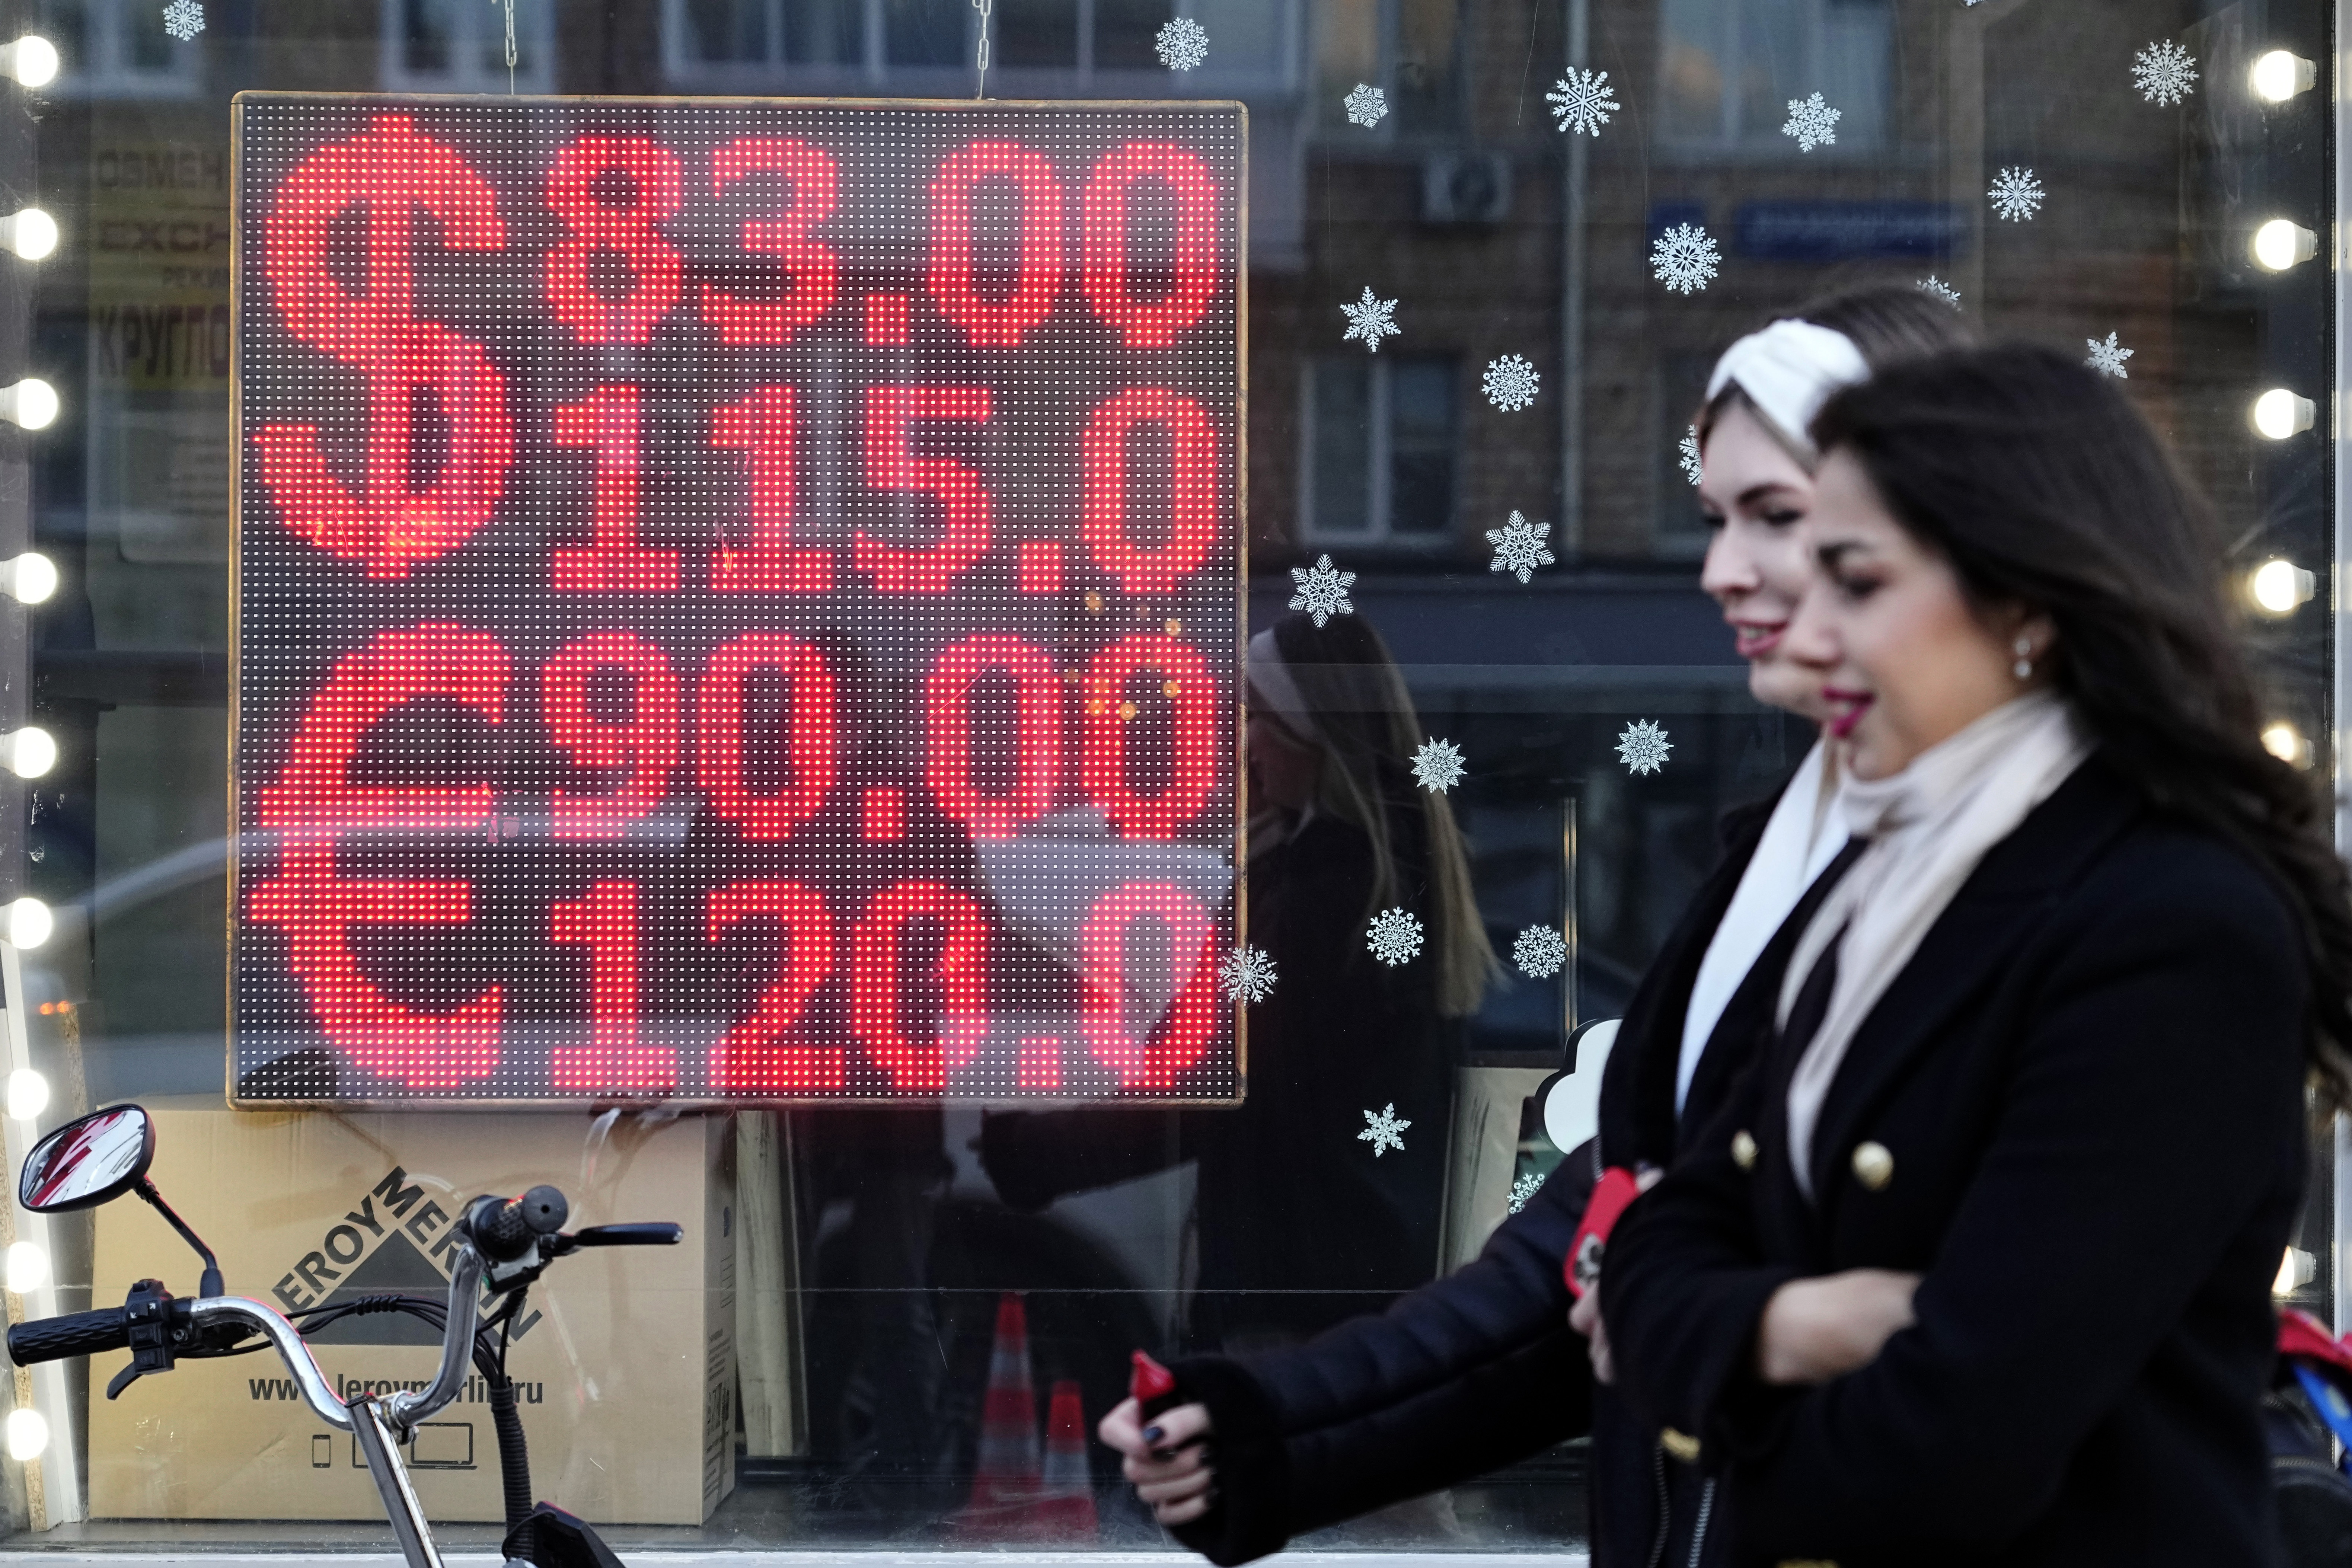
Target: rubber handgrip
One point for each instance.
(643, 1234)
(75, 1334)
(505, 1229)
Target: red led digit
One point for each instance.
(1037, 746)
(808, 734)
(1190, 1023)
(756, 1057)
(1102, 483)
(316, 907)
(1104, 270)
(760, 427)
(876, 952)
(607, 425)
(891, 465)
(645, 746)
(395, 175)
(614, 1061)
(991, 324)
(1111, 713)
(815, 182)
(577, 190)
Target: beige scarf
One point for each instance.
(1928, 826)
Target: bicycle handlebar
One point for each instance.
(74, 1333)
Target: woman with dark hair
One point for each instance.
(1977, 1266)
(1482, 1368)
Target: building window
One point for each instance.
(117, 49)
(1729, 69)
(1383, 438)
(460, 46)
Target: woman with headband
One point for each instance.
(1482, 1368)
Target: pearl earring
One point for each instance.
(2024, 668)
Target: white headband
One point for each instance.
(1270, 678)
(1789, 370)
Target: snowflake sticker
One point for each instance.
(2108, 358)
(1366, 105)
(183, 19)
(1687, 454)
(1394, 936)
(1523, 1188)
(1519, 546)
(1812, 122)
(1182, 44)
(2016, 195)
(1437, 765)
(1583, 100)
(1539, 952)
(1931, 284)
(1643, 747)
(1683, 258)
(1322, 590)
(1246, 975)
(1371, 319)
(1511, 382)
(2164, 72)
(1383, 1132)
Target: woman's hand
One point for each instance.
(1815, 1330)
(1585, 1316)
(1167, 1460)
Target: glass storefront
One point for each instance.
(953, 1057)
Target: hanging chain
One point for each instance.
(511, 45)
(983, 7)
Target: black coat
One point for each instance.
(1481, 1368)
(2090, 1080)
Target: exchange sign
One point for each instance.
(736, 600)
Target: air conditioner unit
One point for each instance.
(1465, 187)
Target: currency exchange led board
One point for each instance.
(736, 600)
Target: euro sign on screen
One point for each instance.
(736, 600)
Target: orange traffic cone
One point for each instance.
(1005, 1472)
(1066, 1510)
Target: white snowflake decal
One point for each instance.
(2164, 72)
(1686, 454)
(1683, 258)
(1643, 747)
(1511, 382)
(1523, 1188)
(1371, 319)
(1583, 100)
(2016, 195)
(183, 19)
(1539, 952)
(1519, 546)
(1394, 936)
(1322, 590)
(1384, 1132)
(1182, 44)
(1437, 765)
(1812, 122)
(1366, 105)
(1246, 975)
(1931, 284)
(2108, 358)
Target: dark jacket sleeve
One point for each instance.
(2151, 1105)
(1470, 1373)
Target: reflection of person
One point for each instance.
(1978, 1266)
(1300, 1222)
(1482, 1368)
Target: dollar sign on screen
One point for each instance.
(389, 525)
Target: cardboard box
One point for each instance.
(627, 1355)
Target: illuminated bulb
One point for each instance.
(2284, 741)
(31, 233)
(2296, 1269)
(29, 752)
(31, 578)
(29, 923)
(31, 403)
(2281, 244)
(2278, 586)
(28, 1434)
(28, 1266)
(2278, 414)
(28, 1094)
(31, 59)
(2281, 74)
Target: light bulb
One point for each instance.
(31, 59)
(2281, 74)
(28, 1434)
(2278, 414)
(31, 233)
(29, 923)
(2284, 741)
(2296, 1269)
(27, 1267)
(28, 1094)
(2281, 243)
(31, 403)
(29, 752)
(2280, 586)
(31, 577)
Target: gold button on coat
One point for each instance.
(1681, 1445)
(1743, 1150)
(1874, 1166)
